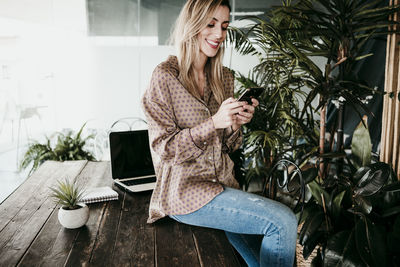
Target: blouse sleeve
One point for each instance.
(167, 140)
(232, 139)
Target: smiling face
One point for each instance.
(212, 36)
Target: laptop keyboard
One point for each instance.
(139, 181)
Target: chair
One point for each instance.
(285, 183)
(101, 145)
(128, 124)
(26, 113)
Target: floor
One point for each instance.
(10, 177)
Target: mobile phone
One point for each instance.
(249, 93)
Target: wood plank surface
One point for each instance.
(26, 219)
(95, 174)
(62, 244)
(117, 233)
(52, 246)
(175, 245)
(213, 248)
(135, 238)
(102, 254)
(11, 206)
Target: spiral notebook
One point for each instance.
(98, 194)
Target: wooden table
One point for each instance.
(115, 235)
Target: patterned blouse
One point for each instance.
(190, 156)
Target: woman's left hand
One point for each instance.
(246, 115)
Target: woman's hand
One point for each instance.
(227, 113)
(245, 115)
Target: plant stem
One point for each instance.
(339, 144)
(322, 140)
(326, 216)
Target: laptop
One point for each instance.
(131, 164)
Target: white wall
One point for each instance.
(73, 77)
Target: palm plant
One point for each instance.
(351, 208)
(275, 130)
(68, 147)
(336, 30)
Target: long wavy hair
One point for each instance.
(193, 18)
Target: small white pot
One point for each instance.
(72, 219)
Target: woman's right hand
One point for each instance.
(226, 114)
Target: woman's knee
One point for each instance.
(289, 218)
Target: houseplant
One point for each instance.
(67, 147)
(355, 217)
(294, 34)
(276, 129)
(351, 202)
(72, 213)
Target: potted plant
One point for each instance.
(351, 212)
(68, 147)
(72, 213)
(354, 218)
(294, 34)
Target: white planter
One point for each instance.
(72, 219)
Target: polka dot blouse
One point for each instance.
(190, 156)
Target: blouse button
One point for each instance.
(205, 143)
(214, 180)
(210, 158)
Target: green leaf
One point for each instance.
(374, 181)
(362, 204)
(309, 175)
(337, 201)
(310, 227)
(361, 146)
(370, 242)
(311, 243)
(67, 193)
(391, 211)
(66, 148)
(318, 193)
(394, 187)
(308, 211)
(363, 56)
(361, 174)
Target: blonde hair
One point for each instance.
(194, 17)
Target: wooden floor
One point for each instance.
(115, 235)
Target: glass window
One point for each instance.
(153, 19)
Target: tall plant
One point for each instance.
(336, 30)
(276, 129)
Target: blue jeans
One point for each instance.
(262, 230)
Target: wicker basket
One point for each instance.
(301, 262)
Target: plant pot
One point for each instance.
(72, 219)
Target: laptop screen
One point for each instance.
(130, 154)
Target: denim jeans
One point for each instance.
(262, 230)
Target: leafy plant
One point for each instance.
(275, 130)
(68, 147)
(352, 209)
(293, 34)
(67, 194)
(354, 218)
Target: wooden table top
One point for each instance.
(115, 235)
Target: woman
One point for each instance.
(194, 122)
